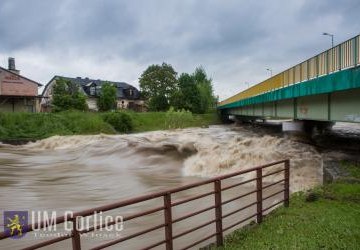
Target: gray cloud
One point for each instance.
(234, 40)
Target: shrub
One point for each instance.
(67, 96)
(107, 98)
(121, 122)
(178, 119)
(158, 103)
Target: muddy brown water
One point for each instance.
(65, 173)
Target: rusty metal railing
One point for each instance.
(168, 205)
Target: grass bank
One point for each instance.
(33, 126)
(151, 121)
(332, 221)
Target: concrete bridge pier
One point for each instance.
(224, 117)
(307, 127)
(244, 119)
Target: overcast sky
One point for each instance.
(235, 41)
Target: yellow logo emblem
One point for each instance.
(15, 223)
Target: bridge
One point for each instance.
(323, 89)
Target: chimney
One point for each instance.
(12, 66)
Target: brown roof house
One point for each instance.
(17, 93)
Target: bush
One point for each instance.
(67, 96)
(121, 122)
(107, 98)
(177, 119)
(158, 103)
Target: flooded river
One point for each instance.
(64, 173)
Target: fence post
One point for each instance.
(75, 236)
(168, 221)
(218, 213)
(327, 62)
(259, 195)
(308, 69)
(340, 56)
(317, 61)
(356, 50)
(287, 183)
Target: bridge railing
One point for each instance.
(169, 202)
(339, 57)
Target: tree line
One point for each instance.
(162, 88)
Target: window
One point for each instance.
(92, 90)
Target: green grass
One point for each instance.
(353, 168)
(331, 222)
(33, 126)
(151, 121)
(148, 121)
(14, 126)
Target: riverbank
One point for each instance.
(22, 127)
(328, 218)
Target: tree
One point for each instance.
(66, 96)
(157, 84)
(195, 92)
(187, 97)
(204, 85)
(159, 103)
(107, 97)
(177, 100)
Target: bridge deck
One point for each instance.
(325, 87)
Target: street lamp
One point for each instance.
(332, 38)
(270, 70)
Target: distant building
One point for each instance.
(17, 93)
(128, 97)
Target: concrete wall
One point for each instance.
(47, 96)
(92, 104)
(125, 104)
(285, 108)
(269, 109)
(121, 103)
(314, 107)
(345, 106)
(11, 104)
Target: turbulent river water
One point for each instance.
(77, 172)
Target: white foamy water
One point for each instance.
(203, 152)
(77, 172)
(244, 151)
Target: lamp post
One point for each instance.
(270, 70)
(332, 38)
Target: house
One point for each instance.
(128, 97)
(17, 93)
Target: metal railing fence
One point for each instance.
(168, 204)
